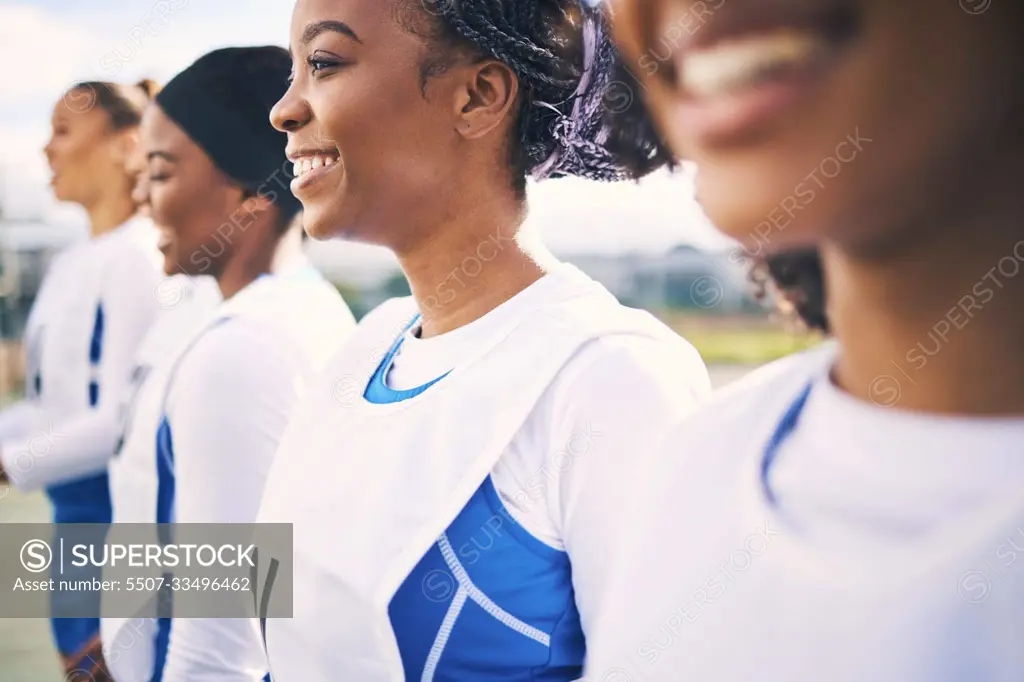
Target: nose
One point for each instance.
(48, 150)
(291, 113)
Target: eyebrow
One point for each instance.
(313, 30)
(160, 155)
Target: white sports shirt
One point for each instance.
(219, 408)
(788, 532)
(463, 530)
(96, 304)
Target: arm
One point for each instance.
(621, 403)
(227, 411)
(17, 421)
(52, 453)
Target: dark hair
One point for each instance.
(795, 280)
(123, 103)
(568, 72)
(222, 101)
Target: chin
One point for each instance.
(323, 223)
(171, 266)
(762, 214)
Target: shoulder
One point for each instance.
(129, 255)
(747, 409)
(645, 362)
(666, 363)
(237, 355)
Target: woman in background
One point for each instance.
(94, 307)
(208, 419)
(855, 512)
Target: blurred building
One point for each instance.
(26, 249)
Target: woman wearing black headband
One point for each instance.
(208, 419)
(453, 480)
(92, 311)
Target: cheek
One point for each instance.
(168, 208)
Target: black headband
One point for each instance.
(223, 103)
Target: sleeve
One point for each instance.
(227, 411)
(17, 422)
(19, 419)
(83, 444)
(624, 397)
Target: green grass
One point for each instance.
(739, 340)
(750, 347)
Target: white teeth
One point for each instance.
(735, 64)
(309, 163)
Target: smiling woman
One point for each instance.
(502, 403)
(885, 467)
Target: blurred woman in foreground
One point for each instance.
(854, 512)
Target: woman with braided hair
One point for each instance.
(454, 478)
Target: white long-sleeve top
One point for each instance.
(95, 306)
(220, 411)
(789, 532)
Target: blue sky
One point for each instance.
(45, 45)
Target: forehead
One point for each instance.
(78, 107)
(372, 20)
(159, 133)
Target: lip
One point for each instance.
(304, 183)
(740, 115)
(295, 153)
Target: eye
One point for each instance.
(319, 63)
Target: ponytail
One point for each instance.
(123, 104)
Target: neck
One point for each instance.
(472, 262)
(109, 212)
(939, 330)
(264, 253)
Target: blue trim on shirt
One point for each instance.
(488, 601)
(164, 515)
(96, 354)
(378, 392)
(85, 500)
(784, 429)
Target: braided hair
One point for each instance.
(575, 117)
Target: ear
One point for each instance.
(484, 95)
(124, 145)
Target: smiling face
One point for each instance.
(373, 144)
(839, 119)
(193, 203)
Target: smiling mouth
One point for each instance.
(747, 66)
(309, 167)
(310, 162)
